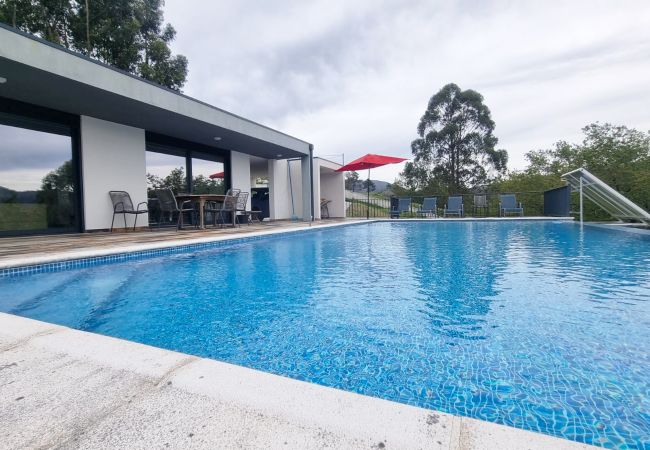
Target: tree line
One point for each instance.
(130, 35)
(176, 180)
(456, 152)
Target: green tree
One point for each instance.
(204, 185)
(128, 34)
(49, 19)
(176, 181)
(351, 180)
(367, 182)
(618, 155)
(57, 192)
(456, 147)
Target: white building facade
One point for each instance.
(72, 129)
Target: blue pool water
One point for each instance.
(540, 326)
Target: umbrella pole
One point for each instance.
(368, 186)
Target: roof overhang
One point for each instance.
(327, 166)
(48, 75)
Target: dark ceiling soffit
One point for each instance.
(179, 147)
(38, 87)
(135, 77)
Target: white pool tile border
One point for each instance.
(92, 256)
(341, 413)
(25, 265)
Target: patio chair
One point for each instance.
(454, 206)
(508, 204)
(241, 210)
(429, 207)
(324, 208)
(225, 208)
(169, 206)
(480, 203)
(122, 204)
(403, 206)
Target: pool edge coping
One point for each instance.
(306, 404)
(20, 265)
(88, 254)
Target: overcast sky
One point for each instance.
(354, 77)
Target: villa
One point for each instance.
(422, 329)
(109, 123)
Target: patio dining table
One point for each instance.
(201, 199)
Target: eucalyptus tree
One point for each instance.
(128, 34)
(455, 147)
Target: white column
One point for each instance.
(305, 170)
(278, 189)
(317, 188)
(113, 158)
(240, 169)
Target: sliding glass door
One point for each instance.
(38, 178)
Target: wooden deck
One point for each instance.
(30, 246)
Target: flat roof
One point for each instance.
(45, 74)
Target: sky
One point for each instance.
(354, 77)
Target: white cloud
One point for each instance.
(355, 77)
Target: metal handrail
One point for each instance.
(603, 195)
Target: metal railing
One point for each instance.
(599, 192)
(377, 207)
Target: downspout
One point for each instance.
(311, 181)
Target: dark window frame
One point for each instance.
(37, 118)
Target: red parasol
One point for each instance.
(370, 161)
(217, 175)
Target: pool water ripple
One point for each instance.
(541, 326)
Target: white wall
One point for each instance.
(112, 159)
(240, 169)
(332, 187)
(317, 189)
(328, 184)
(279, 189)
(258, 172)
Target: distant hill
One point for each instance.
(380, 186)
(7, 194)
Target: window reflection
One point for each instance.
(207, 177)
(37, 181)
(165, 171)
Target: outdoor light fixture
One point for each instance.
(3, 80)
(279, 155)
(217, 138)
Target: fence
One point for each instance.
(532, 202)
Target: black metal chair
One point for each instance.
(169, 207)
(122, 204)
(324, 208)
(242, 203)
(221, 209)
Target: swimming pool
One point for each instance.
(541, 326)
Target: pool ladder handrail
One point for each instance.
(609, 199)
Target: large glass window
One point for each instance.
(181, 168)
(208, 174)
(166, 171)
(38, 182)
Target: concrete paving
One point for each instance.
(68, 389)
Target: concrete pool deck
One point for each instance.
(69, 389)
